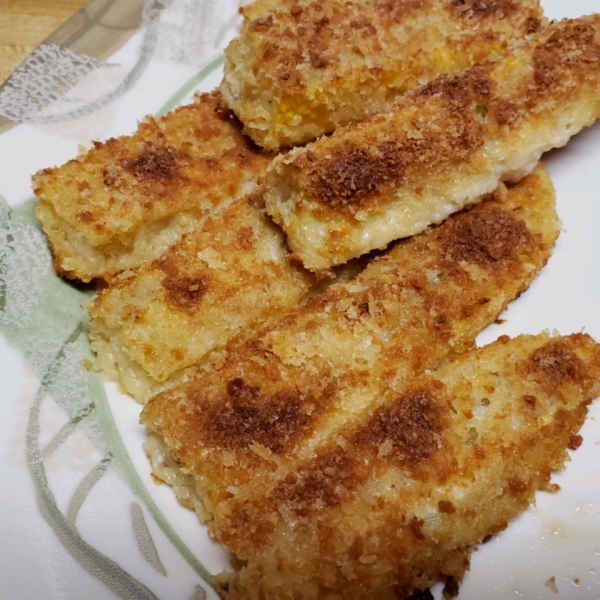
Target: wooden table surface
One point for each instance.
(26, 23)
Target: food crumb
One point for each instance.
(551, 583)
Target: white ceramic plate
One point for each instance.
(80, 516)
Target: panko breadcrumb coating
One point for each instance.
(393, 504)
(125, 201)
(301, 68)
(277, 397)
(218, 282)
(439, 149)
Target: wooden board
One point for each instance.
(26, 23)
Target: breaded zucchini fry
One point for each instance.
(394, 503)
(439, 149)
(285, 391)
(301, 68)
(124, 202)
(220, 281)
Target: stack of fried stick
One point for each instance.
(309, 372)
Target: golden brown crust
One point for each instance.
(96, 208)
(440, 148)
(409, 427)
(151, 166)
(486, 237)
(411, 423)
(370, 517)
(244, 416)
(483, 9)
(185, 293)
(302, 68)
(295, 383)
(556, 364)
(220, 282)
(357, 172)
(573, 46)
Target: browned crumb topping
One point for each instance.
(555, 364)
(532, 24)
(574, 41)
(356, 173)
(185, 293)
(407, 430)
(412, 424)
(446, 121)
(530, 401)
(451, 588)
(312, 45)
(574, 442)
(263, 24)
(483, 8)
(153, 162)
(326, 482)
(189, 161)
(245, 416)
(517, 486)
(419, 595)
(362, 169)
(398, 9)
(445, 506)
(484, 235)
(85, 216)
(245, 236)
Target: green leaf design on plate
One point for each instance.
(96, 563)
(190, 86)
(43, 318)
(144, 540)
